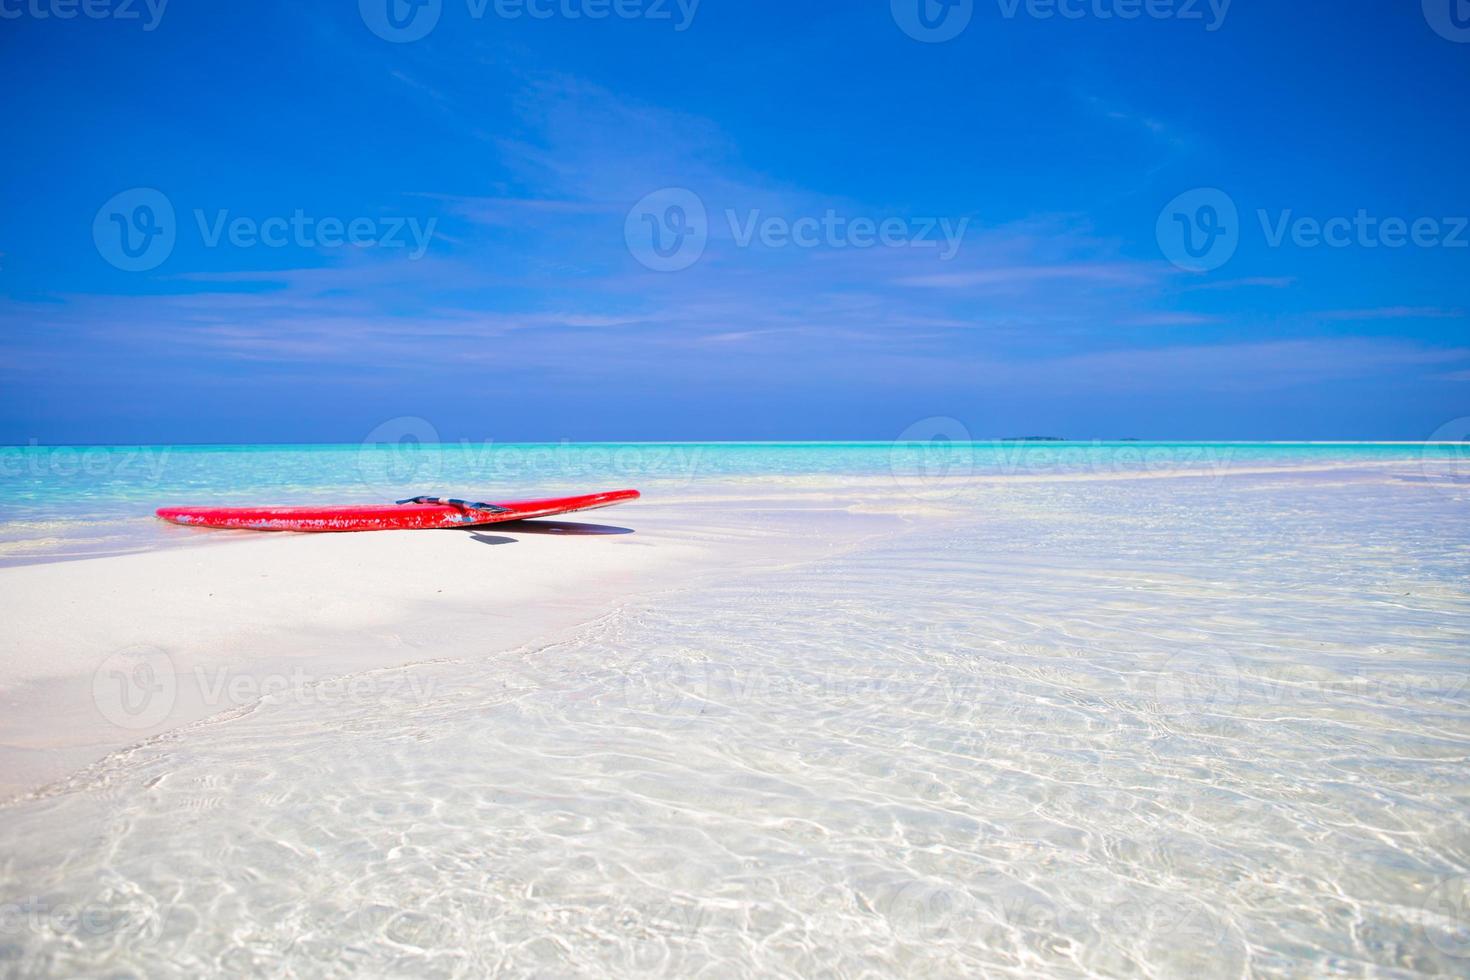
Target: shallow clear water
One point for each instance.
(37, 482)
(93, 500)
(1147, 727)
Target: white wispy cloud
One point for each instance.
(533, 274)
(1113, 273)
(1392, 313)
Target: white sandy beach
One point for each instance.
(102, 653)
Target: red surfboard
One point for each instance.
(417, 513)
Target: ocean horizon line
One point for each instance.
(1046, 441)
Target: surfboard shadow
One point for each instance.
(569, 528)
(490, 538)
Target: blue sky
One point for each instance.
(505, 177)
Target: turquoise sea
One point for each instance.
(40, 483)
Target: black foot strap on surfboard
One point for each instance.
(465, 504)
